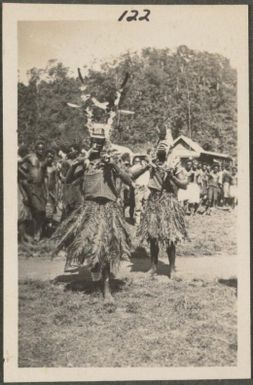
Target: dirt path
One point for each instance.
(188, 268)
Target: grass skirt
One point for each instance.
(94, 233)
(162, 219)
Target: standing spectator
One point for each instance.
(233, 188)
(24, 214)
(184, 194)
(125, 191)
(35, 168)
(51, 188)
(62, 153)
(141, 183)
(145, 181)
(71, 192)
(203, 181)
(226, 182)
(221, 192)
(194, 188)
(213, 187)
(199, 175)
(122, 188)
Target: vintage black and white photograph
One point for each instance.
(129, 153)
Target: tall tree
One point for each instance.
(195, 92)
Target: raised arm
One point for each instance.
(136, 173)
(73, 173)
(179, 178)
(122, 174)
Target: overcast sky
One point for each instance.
(78, 43)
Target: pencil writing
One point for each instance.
(133, 15)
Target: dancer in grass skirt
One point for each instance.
(162, 221)
(95, 233)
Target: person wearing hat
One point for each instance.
(162, 221)
(95, 233)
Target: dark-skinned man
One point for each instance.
(35, 167)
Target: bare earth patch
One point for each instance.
(188, 321)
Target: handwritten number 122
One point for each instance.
(134, 16)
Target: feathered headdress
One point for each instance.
(111, 107)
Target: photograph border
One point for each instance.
(239, 381)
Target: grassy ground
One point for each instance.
(154, 322)
(211, 235)
(208, 235)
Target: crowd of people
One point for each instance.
(209, 187)
(80, 197)
(45, 199)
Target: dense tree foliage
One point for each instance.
(194, 92)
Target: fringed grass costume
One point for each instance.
(96, 232)
(163, 216)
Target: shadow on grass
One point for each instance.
(140, 252)
(143, 265)
(231, 282)
(82, 282)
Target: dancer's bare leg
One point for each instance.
(154, 251)
(108, 298)
(171, 251)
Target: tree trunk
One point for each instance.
(188, 110)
